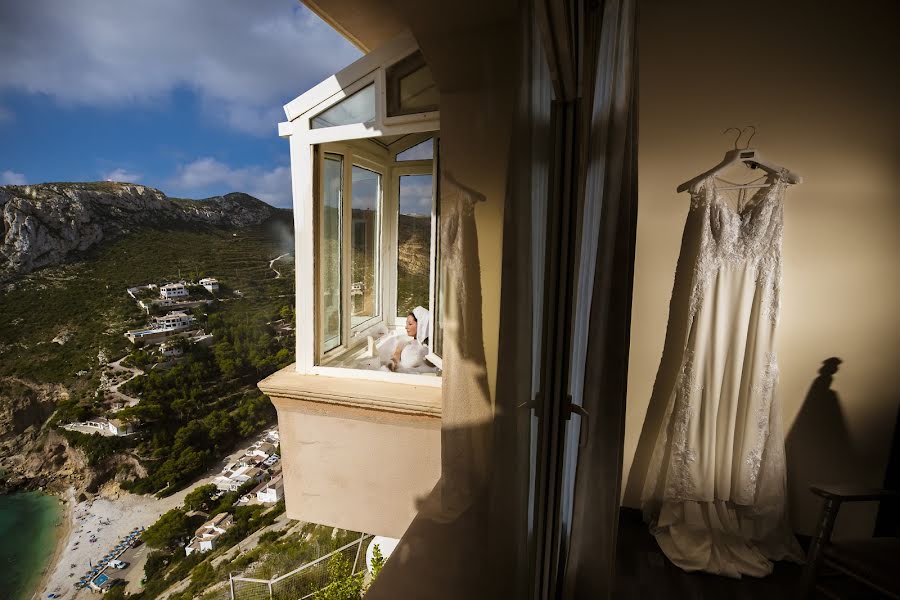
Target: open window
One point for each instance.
(376, 230)
(364, 160)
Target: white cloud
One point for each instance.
(11, 178)
(243, 59)
(269, 185)
(123, 176)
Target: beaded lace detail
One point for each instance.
(729, 237)
(680, 483)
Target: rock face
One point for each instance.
(41, 225)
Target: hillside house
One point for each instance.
(175, 320)
(207, 534)
(109, 427)
(265, 450)
(270, 492)
(211, 284)
(234, 480)
(173, 290)
(168, 349)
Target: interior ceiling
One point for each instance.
(465, 41)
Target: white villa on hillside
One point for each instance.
(211, 284)
(170, 350)
(173, 290)
(206, 535)
(173, 321)
(233, 481)
(265, 450)
(104, 426)
(271, 491)
(161, 327)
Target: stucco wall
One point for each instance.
(819, 81)
(357, 469)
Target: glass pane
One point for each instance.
(410, 87)
(366, 203)
(355, 108)
(421, 151)
(418, 92)
(413, 243)
(332, 191)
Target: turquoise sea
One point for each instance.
(27, 537)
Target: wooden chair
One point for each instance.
(873, 562)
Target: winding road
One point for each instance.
(113, 390)
(274, 260)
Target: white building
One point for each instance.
(206, 536)
(233, 481)
(271, 491)
(108, 426)
(265, 450)
(173, 290)
(173, 321)
(170, 350)
(211, 284)
(118, 427)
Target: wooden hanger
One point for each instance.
(748, 156)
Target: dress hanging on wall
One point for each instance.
(714, 494)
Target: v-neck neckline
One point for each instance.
(771, 179)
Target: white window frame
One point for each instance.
(352, 156)
(303, 141)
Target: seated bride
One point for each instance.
(404, 353)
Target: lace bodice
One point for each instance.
(729, 237)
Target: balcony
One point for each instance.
(357, 454)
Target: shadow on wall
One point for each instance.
(818, 447)
(669, 364)
(438, 555)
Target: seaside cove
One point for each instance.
(30, 524)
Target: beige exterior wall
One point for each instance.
(821, 87)
(354, 468)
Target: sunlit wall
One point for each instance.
(819, 81)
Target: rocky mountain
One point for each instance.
(42, 225)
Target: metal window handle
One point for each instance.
(533, 403)
(585, 422)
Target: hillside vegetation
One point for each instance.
(60, 325)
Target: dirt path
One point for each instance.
(113, 390)
(276, 259)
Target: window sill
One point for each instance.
(410, 395)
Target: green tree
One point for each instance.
(343, 584)
(201, 497)
(203, 575)
(169, 531)
(377, 561)
(117, 592)
(156, 562)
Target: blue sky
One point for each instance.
(180, 95)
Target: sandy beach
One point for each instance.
(61, 535)
(110, 519)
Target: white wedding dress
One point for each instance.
(715, 495)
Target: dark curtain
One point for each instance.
(609, 217)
